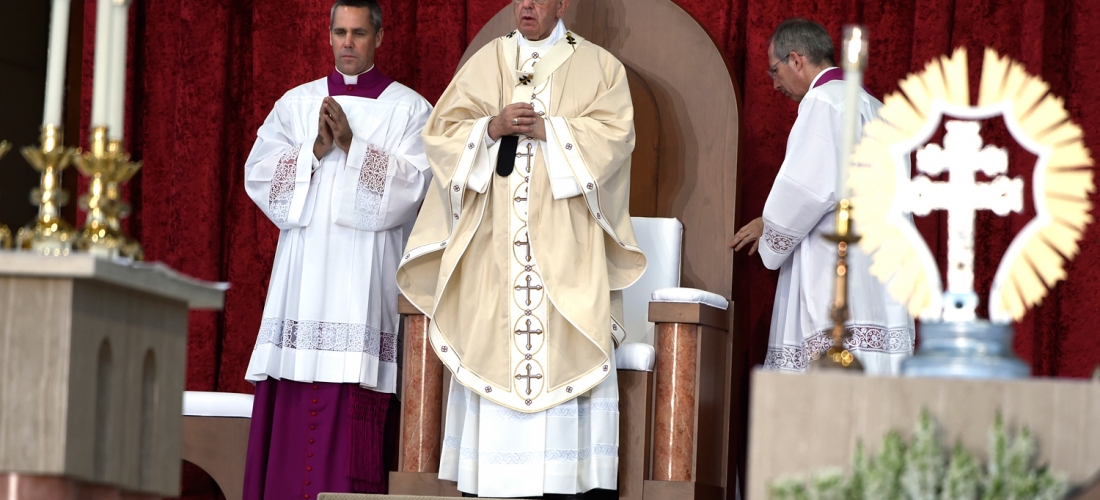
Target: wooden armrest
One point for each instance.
(689, 313)
(404, 307)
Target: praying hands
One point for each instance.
(332, 128)
(337, 122)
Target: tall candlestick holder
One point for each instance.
(838, 356)
(108, 166)
(48, 234)
(5, 233)
(853, 60)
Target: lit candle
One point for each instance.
(55, 66)
(101, 62)
(116, 93)
(853, 55)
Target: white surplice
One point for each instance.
(494, 451)
(331, 310)
(799, 212)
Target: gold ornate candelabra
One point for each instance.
(853, 60)
(838, 356)
(107, 165)
(48, 234)
(5, 233)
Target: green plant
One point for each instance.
(924, 462)
(962, 481)
(883, 478)
(921, 470)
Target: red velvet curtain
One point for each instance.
(205, 73)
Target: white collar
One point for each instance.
(555, 37)
(353, 79)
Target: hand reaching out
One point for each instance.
(749, 233)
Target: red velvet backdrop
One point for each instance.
(205, 74)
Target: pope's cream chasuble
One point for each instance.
(522, 273)
(528, 320)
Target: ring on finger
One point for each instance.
(515, 121)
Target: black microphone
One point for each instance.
(506, 160)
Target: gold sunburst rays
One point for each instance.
(897, 260)
(1061, 182)
(901, 258)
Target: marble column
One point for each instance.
(674, 412)
(422, 410)
(691, 402)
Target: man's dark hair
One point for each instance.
(806, 37)
(375, 12)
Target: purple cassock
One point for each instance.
(312, 437)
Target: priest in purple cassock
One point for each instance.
(799, 213)
(340, 168)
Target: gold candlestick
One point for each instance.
(121, 209)
(108, 165)
(838, 356)
(48, 234)
(5, 233)
(854, 61)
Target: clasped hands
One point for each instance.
(518, 119)
(332, 129)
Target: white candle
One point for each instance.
(853, 58)
(55, 65)
(116, 93)
(101, 62)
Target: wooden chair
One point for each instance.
(215, 436)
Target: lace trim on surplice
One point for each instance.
(371, 189)
(328, 336)
(778, 242)
(282, 185)
(867, 338)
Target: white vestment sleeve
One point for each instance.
(278, 170)
(805, 188)
(562, 181)
(481, 172)
(383, 189)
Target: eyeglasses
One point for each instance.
(536, 2)
(773, 70)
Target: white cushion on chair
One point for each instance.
(659, 240)
(635, 356)
(690, 296)
(217, 404)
